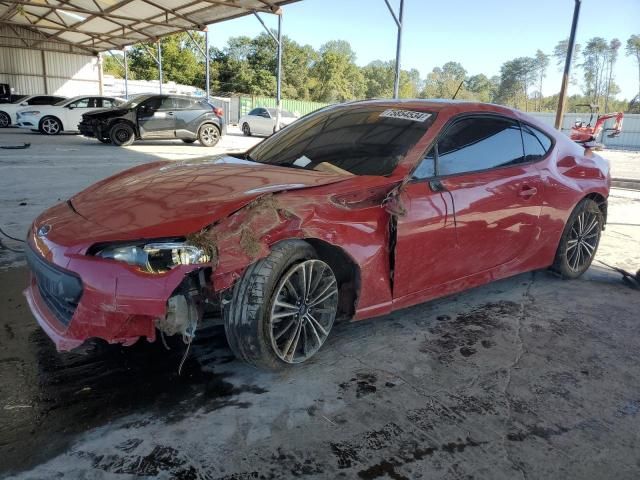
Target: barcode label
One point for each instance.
(406, 115)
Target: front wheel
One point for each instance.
(5, 120)
(50, 126)
(580, 240)
(282, 309)
(122, 134)
(246, 129)
(209, 135)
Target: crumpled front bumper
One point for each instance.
(118, 304)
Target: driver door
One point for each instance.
(156, 118)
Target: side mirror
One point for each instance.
(70, 107)
(24, 104)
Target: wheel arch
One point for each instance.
(115, 121)
(209, 122)
(601, 200)
(347, 273)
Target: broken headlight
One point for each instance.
(156, 257)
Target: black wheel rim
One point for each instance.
(583, 240)
(4, 120)
(245, 129)
(122, 135)
(304, 308)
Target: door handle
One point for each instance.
(170, 113)
(527, 191)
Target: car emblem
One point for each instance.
(44, 230)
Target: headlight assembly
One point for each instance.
(155, 257)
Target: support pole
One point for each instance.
(206, 60)
(160, 65)
(398, 20)
(567, 66)
(279, 75)
(126, 74)
(100, 76)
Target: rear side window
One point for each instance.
(182, 103)
(479, 143)
(40, 101)
(536, 143)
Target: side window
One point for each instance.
(56, 99)
(264, 113)
(536, 143)
(108, 103)
(427, 167)
(151, 105)
(255, 111)
(182, 103)
(38, 101)
(168, 103)
(473, 144)
(82, 103)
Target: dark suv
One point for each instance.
(148, 117)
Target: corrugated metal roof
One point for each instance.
(99, 25)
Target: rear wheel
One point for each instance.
(580, 240)
(283, 307)
(122, 134)
(246, 129)
(50, 126)
(5, 120)
(209, 135)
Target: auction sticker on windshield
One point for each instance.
(406, 115)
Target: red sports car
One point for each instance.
(351, 212)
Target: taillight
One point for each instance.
(218, 111)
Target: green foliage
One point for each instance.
(113, 66)
(330, 74)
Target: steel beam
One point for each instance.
(562, 100)
(160, 65)
(398, 19)
(278, 41)
(126, 74)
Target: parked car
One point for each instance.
(352, 212)
(64, 115)
(8, 110)
(156, 117)
(262, 121)
(6, 96)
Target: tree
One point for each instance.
(481, 88)
(633, 50)
(180, 62)
(595, 59)
(113, 66)
(516, 77)
(443, 82)
(560, 55)
(612, 89)
(541, 64)
(335, 76)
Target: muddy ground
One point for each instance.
(530, 377)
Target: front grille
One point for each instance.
(61, 290)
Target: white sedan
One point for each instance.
(64, 115)
(262, 121)
(8, 110)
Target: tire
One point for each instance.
(208, 135)
(50, 126)
(579, 241)
(122, 134)
(265, 325)
(5, 120)
(189, 140)
(246, 129)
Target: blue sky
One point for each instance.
(480, 34)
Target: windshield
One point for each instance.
(363, 140)
(284, 113)
(134, 101)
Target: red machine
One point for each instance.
(585, 133)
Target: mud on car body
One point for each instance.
(156, 117)
(351, 212)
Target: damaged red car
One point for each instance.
(351, 212)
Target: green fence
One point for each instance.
(299, 107)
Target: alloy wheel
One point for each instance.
(209, 135)
(304, 308)
(246, 130)
(4, 120)
(583, 240)
(50, 126)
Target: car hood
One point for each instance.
(167, 198)
(106, 112)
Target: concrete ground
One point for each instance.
(529, 377)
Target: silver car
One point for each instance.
(262, 121)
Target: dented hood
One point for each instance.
(176, 198)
